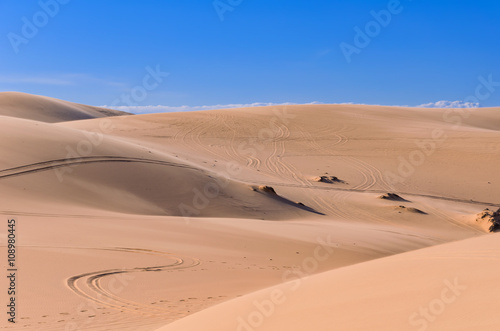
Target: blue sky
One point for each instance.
(251, 51)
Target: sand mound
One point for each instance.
(271, 193)
(327, 179)
(409, 210)
(489, 220)
(45, 109)
(392, 197)
(266, 189)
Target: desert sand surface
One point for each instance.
(304, 217)
(45, 109)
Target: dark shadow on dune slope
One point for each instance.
(270, 192)
(393, 197)
(492, 217)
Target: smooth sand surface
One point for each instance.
(447, 287)
(219, 220)
(45, 109)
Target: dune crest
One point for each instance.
(50, 110)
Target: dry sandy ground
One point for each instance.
(169, 222)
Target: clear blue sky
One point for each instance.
(272, 51)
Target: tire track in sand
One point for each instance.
(68, 162)
(90, 286)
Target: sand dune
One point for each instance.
(135, 222)
(89, 171)
(45, 109)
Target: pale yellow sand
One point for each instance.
(104, 244)
(45, 109)
(448, 287)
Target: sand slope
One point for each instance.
(448, 287)
(428, 151)
(45, 109)
(85, 170)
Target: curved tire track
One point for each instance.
(89, 285)
(68, 162)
